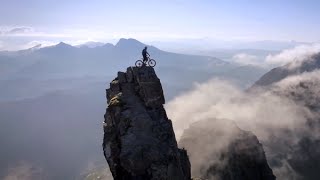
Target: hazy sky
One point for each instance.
(102, 20)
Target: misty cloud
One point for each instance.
(268, 114)
(20, 30)
(38, 43)
(24, 171)
(293, 56)
(296, 54)
(15, 30)
(17, 45)
(245, 59)
(222, 100)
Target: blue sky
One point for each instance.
(103, 20)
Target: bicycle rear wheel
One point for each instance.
(152, 62)
(139, 63)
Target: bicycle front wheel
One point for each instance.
(152, 62)
(139, 63)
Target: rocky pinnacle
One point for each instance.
(139, 142)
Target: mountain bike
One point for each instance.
(150, 62)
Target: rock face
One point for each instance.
(219, 150)
(139, 142)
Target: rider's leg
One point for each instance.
(145, 59)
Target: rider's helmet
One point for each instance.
(145, 47)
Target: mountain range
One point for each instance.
(32, 68)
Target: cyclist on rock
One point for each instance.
(146, 60)
(145, 55)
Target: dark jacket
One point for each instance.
(144, 53)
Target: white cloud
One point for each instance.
(25, 31)
(295, 79)
(293, 57)
(36, 43)
(297, 54)
(264, 113)
(220, 99)
(19, 30)
(15, 30)
(244, 58)
(14, 46)
(24, 170)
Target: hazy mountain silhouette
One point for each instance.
(64, 61)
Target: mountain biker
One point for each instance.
(144, 54)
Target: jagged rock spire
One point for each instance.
(139, 142)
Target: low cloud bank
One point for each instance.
(15, 30)
(294, 56)
(244, 58)
(297, 53)
(24, 171)
(270, 115)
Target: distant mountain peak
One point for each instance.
(58, 47)
(62, 44)
(108, 45)
(129, 43)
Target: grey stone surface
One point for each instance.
(139, 142)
